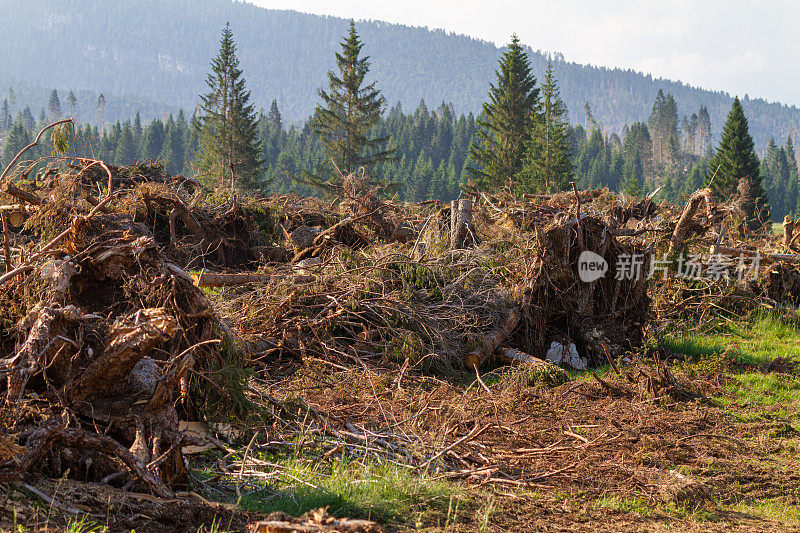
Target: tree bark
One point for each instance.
(479, 355)
(460, 222)
(19, 194)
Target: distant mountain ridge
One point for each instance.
(157, 52)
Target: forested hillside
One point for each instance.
(153, 55)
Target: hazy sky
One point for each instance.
(739, 46)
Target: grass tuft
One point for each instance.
(360, 490)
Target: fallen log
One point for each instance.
(210, 279)
(739, 252)
(316, 521)
(515, 357)
(19, 194)
(15, 214)
(493, 341)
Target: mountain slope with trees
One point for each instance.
(158, 51)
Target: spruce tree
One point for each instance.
(5, 116)
(17, 139)
(343, 120)
(508, 120)
(548, 165)
(54, 106)
(125, 152)
(790, 154)
(72, 102)
(227, 129)
(589, 121)
(152, 141)
(274, 119)
(735, 157)
(632, 185)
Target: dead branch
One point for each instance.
(31, 145)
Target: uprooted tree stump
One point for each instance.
(607, 314)
(109, 347)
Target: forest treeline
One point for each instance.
(433, 150)
(160, 49)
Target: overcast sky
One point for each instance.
(739, 46)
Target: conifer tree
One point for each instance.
(274, 119)
(589, 121)
(26, 118)
(792, 156)
(17, 139)
(54, 106)
(72, 102)
(736, 159)
(5, 116)
(152, 141)
(137, 128)
(229, 147)
(348, 111)
(548, 166)
(508, 120)
(126, 149)
(632, 185)
(101, 106)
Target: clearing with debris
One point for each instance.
(178, 359)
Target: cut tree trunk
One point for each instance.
(788, 230)
(210, 279)
(737, 252)
(460, 223)
(19, 194)
(493, 341)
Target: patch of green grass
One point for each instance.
(765, 338)
(696, 346)
(640, 506)
(755, 389)
(84, 525)
(359, 490)
(743, 352)
(773, 509)
(629, 504)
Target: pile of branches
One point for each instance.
(467, 284)
(192, 225)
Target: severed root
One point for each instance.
(682, 228)
(131, 338)
(44, 438)
(46, 338)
